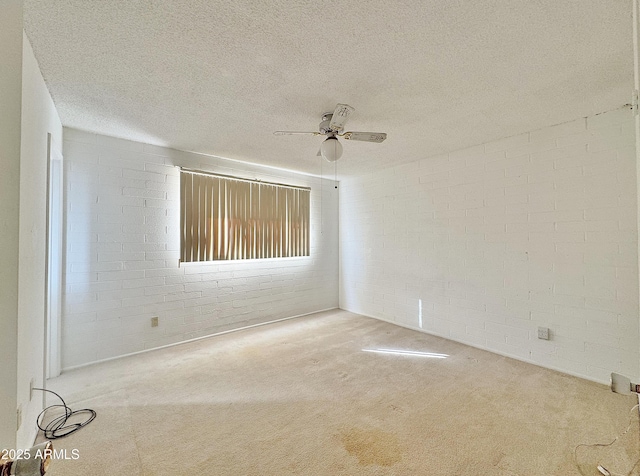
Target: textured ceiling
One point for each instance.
(219, 76)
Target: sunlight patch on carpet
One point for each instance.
(411, 353)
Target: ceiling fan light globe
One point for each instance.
(331, 149)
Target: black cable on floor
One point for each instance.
(58, 428)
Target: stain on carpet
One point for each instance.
(396, 408)
(372, 447)
(497, 458)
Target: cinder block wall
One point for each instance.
(122, 250)
(485, 244)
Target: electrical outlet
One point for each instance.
(19, 416)
(543, 333)
(154, 321)
(32, 384)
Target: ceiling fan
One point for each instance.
(332, 126)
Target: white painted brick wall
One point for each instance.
(122, 249)
(533, 230)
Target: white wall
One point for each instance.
(10, 122)
(39, 117)
(122, 250)
(493, 241)
(28, 114)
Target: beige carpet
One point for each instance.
(301, 397)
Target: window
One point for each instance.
(227, 218)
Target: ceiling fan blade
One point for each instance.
(365, 136)
(292, 133)
(340, 116)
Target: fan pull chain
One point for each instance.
(321, 188)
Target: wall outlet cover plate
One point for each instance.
(543, 333)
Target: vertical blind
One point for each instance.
(224, 218)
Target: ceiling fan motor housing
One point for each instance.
(325, 125)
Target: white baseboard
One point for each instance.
(66, 369)
(488, 349)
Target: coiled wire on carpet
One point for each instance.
(605, 445)
(58, 427)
